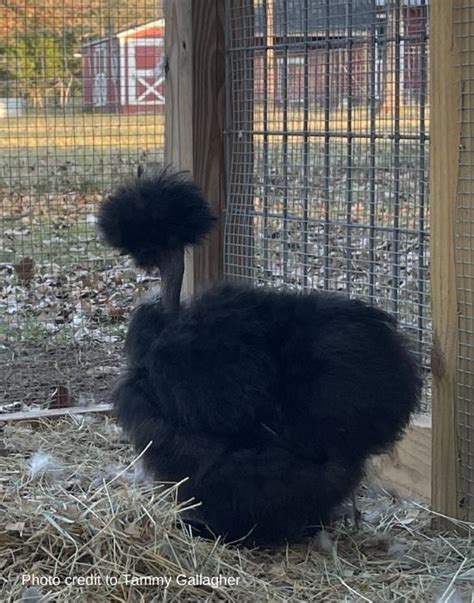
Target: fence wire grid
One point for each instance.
(463, 24)
(81, 104)
(328, 151)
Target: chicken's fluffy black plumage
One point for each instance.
(269, 402)
(156, 212)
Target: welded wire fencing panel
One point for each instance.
(327, 144)
(464, 30)
(81, 105)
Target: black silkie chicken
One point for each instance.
(270, 402)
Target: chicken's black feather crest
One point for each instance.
(154, 213)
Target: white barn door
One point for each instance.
(145, 77)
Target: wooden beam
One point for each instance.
(54, 413)
(208, 117)
(194, 113)
(179, 139)
(445, 141)
(464, 241)
(407, 469)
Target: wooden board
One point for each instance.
(194, 111)
(53, 413)
(444, 165)
(208, 125)
(179, 133)
(407, 469)
(464, 253)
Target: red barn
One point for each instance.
(321, 39)
(125, 72)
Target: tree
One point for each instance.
(40, 62)
(90, 18)
(42, 40)
(21, 65)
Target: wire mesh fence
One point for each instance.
(463, 19)
(328, 142)
(81, 104)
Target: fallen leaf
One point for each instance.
(25, 269)
(116, 313)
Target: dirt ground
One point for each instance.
(83, 374)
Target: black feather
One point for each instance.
(156, 212)
(269, 402)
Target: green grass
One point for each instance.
(81, 130)
(83, 152)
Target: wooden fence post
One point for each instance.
(445, 141)
(194, 114)
(463, 46)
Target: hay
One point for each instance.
(82, 510)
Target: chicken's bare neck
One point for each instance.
(172, 271)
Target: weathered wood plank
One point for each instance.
(195, 116)
(208, 123)
(54, 413)
(407, 469)
(445, 139)
(179, 132)
(464, 242)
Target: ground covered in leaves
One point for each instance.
(64, 301)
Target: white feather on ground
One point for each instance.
(34, 595)
(43, 464)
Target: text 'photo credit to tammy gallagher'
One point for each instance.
(131, 580)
